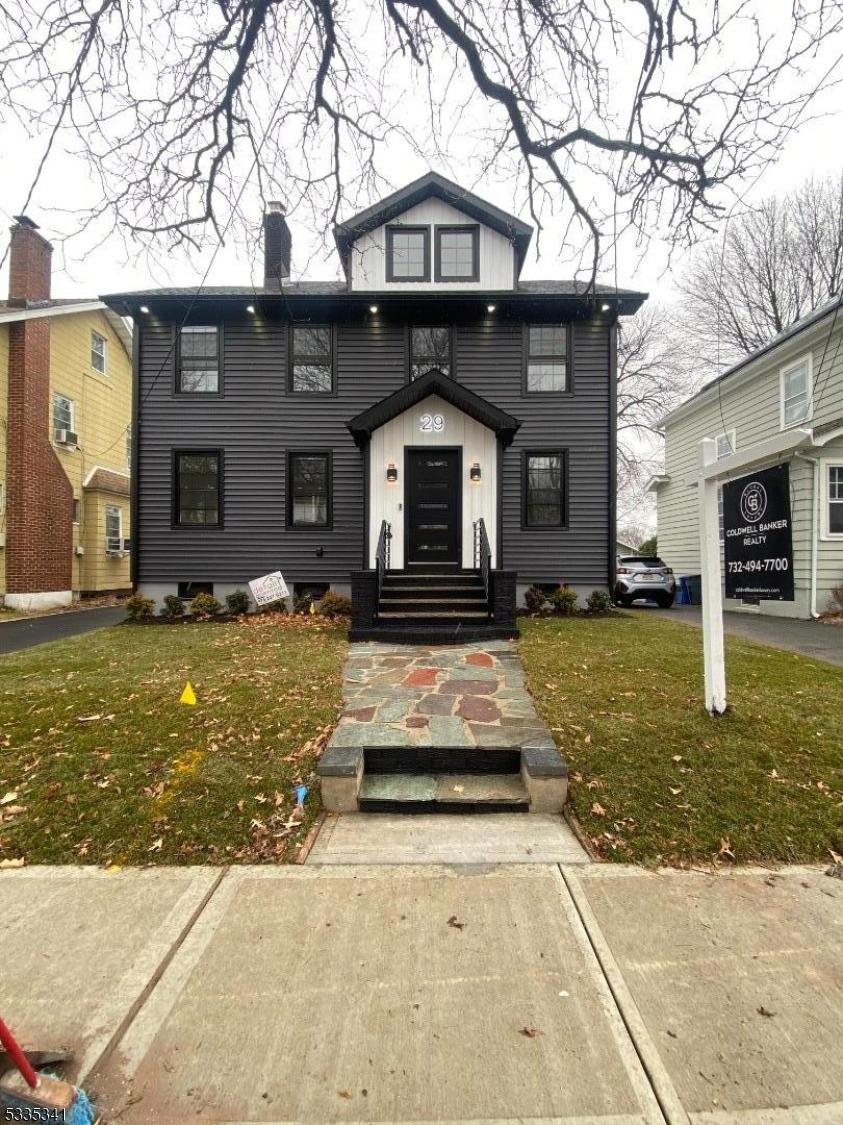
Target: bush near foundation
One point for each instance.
(335, 605)
(204, 606)
(139, 608)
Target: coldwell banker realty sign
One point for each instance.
(758, 536)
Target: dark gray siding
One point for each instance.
(255, 422)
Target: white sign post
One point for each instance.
(712, 607)
(269, 588)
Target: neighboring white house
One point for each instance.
(794, 383)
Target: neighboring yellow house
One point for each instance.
(61, 540)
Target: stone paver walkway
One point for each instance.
(443, 696)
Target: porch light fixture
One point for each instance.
(474, 472)
(605, 308)
(391, 472)
(144, 308)
(491, 308)
(373, 308)
(250, 308)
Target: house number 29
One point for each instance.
(432, 423)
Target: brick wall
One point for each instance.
(30, 258)
(39, 509)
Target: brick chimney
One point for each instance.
(39, 508)
(277, 245)
(30, 258)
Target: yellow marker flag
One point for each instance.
(312, 608)
(188, 696)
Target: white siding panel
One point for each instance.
(368, 254)
(386, 501)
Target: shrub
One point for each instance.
(535, 599)
(564, 600)
(274, 607)
(302, 603)
(173, 607)
(204, 605)
(598, 601)
(139, 608)
(237, 601)
(335, 605)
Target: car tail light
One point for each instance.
(668, 570)
(624, 570)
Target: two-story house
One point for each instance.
(65, 437)
(792, 386)
(431, 407)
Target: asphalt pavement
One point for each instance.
(20, 633)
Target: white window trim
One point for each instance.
(785, 370)
(732, 437)
(67, 398)
(825, 464)
(119, 537)
(104, 339)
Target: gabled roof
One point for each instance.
(10, 312)
(432, 184)
(100, 479)
(433, 383)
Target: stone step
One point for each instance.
(488, 792)
(446, 632)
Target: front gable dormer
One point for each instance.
(432, 235)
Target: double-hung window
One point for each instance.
(796, 392)
(430, 348)
(99, 353)
(457, 253)
(197, 489)
(725, 444)
(833, 506)
(546, 358)
(113, 529)
(62, 412)
(544, 488)
(309, 489)
(198, 360)
(408, 253)
(312, 367)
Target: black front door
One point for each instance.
(433, 507)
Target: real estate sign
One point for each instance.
(269, 588)
(758, 536)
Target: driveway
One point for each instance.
(810, 638)
(29, 631)
(448, 994)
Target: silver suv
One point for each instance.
(644, 576)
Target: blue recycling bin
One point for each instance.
(683, 594)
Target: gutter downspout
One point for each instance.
(815, 499)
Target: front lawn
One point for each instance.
(656, 779)
(100, 763)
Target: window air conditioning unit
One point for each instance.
(65, 437)
(113, 545)
(79, 551)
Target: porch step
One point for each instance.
(433, 615)
(426, 593)
(464, 606)
(451, 631)
(431, 792)
(432, 578)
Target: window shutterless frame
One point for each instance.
(418, 357)
(784, 372)
(562, 454)
(177, 365)
(529, 357)
(474, 232)
(391, 232)
(314, 359)
(219, 454)
(327, 454)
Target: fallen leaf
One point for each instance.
(344, 1093)
(156, 845)
(726, 848)
(5, 864)
(454, 924)
(598, 809)
(7, 798)
(762, 1011)
(530, 1032)
(675, 792)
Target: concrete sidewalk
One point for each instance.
(597, 995)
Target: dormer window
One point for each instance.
(458, 253)
(408, 253)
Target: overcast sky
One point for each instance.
(97, 263)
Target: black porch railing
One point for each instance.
(382, 553)
(482, 552)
